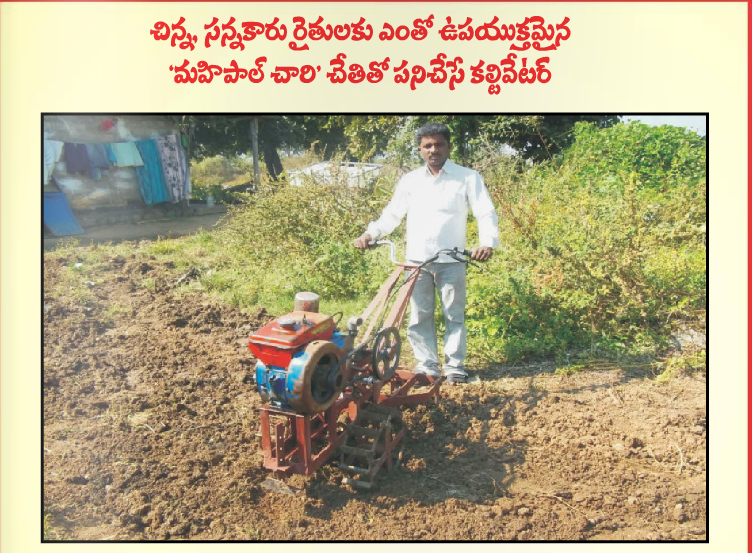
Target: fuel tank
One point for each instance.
(277, 342)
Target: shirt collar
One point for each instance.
(446, 168)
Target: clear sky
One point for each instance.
(694, 122)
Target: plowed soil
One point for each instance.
(151, 422)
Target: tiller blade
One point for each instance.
(373, 439)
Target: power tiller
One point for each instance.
(326, 395)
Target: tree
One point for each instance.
(363, 137)
(230, 136)
(534, 137)
(539, 137)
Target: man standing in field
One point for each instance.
(435, 199)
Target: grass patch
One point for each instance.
(568, 370)
(49, 533)
(682, 365)
(73, 285)
(118, 310)
(164, 247)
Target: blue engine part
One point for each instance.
(307, 385)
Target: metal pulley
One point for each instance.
(386, 352)
(316, 379)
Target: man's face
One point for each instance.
(434, 150)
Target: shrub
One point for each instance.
(599, 252)
(300, 238)
(656, 157)
(212, 176)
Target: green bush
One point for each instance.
(212, 176)
(300, 238)
(656, 157)
(599, 252)
(221, 170)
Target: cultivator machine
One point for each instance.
(326, 395)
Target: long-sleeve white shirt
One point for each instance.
(436, 208)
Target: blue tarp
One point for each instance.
(58, 216)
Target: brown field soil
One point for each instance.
(150, 433)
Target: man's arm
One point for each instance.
(389, 220)
(488, 223)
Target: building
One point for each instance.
(118, 190)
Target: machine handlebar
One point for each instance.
(392, 248)
(463, 256)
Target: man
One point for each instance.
(435, 199)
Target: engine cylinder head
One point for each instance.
(307, 301)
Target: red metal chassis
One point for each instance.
(300, 444)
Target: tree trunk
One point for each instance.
(272, 161)
(254, 147)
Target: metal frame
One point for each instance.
(378, 304)
(301, 443)
(289, 445)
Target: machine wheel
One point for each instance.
(322, 378)
(386, 352)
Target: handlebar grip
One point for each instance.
(468, 259)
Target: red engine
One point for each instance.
(277, 342)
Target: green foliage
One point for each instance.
(221, 170)
(656, 157)
(598, 261)
(683, 364)
(230, 136)
(212, 175)
(534, 137)
(369, 135)
(568, 370)
(220, 194)
(300, 238)
(363, 137)
(539, 137)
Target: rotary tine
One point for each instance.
(366, 448)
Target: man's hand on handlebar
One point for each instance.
(482, 253)
(363, 241)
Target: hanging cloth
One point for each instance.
(110, 154)
(52, 151)
(186, 172)
(98, 155)
(76, 158)
(173, 168)
(126, 154)
(150, 177)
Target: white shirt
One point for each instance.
(436, 208)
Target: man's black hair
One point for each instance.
(432, 129)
